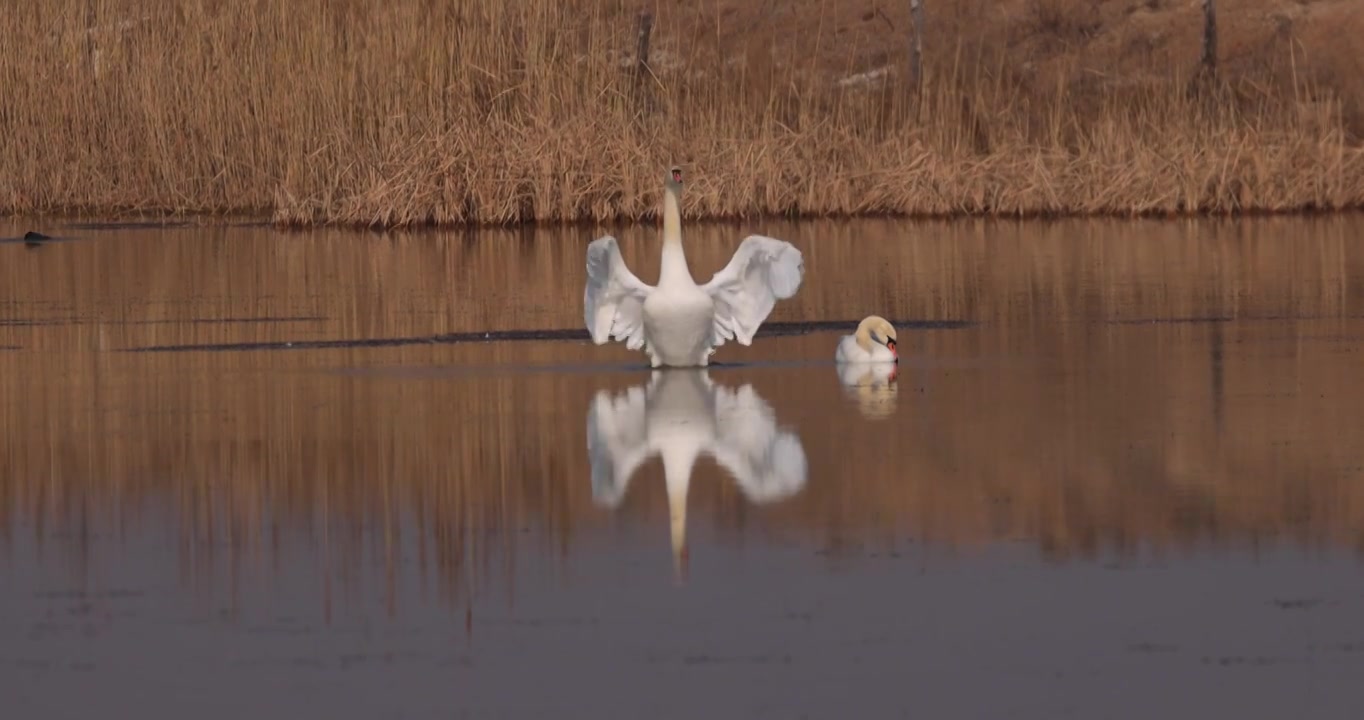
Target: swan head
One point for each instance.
(674, 180)
(878, 330)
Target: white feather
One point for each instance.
(613, 298)
(762, 271)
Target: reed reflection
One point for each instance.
(679, 415)
(1169, 385)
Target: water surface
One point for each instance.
(1117, 474)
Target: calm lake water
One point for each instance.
(1118, 474)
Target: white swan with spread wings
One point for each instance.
(679, 323)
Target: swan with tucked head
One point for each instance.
(679, 323)
(873, 342)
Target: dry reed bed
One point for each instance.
(480, 111)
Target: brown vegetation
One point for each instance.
(485, 111)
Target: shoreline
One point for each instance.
(116, 220)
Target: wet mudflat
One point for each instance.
(1117, 474)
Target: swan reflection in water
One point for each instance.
(679, 415)
(871, 386)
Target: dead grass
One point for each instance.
(479, 111)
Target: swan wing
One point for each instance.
(616, 442)
(762, 271)
(613, 299)
(767, 462)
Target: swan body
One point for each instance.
(679, 323)
(679, 416)
(873, 342)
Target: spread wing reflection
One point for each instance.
(679, 415)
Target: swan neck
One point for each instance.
(863, 337)
(672, 218)
(674, 263)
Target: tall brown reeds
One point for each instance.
(485, 111)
